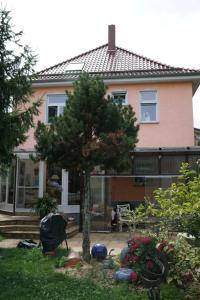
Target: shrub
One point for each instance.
(178, 206)
(183, 259)
(45, 205)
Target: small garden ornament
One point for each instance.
(108, 262)
(99, 251)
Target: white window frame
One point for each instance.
(59, 105)
(115, 92)
(149, 102)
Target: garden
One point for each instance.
(161, 263)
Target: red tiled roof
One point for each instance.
(120, 64)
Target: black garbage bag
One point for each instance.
(52, 231)
(27, 244)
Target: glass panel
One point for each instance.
(192, 160)
(28, 183)
(52, 112)
(148, 96)
(101, 203)
(74, 188)
(61, 110)
(57, 99)
(109, 191)
(145, 165)
(3, 189)
(148, 112)
(119, 96)
(153, 183)
(11, 183)
(171, 164)
(54, 182)
(74, 67)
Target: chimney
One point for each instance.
(111, 39)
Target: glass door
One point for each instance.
(27, 187)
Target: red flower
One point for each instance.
(135, 258)
(187, 277)
(146, 240)
(150, 264)
(134, 246)
(126, 260)
(134, 276)
(162, 246)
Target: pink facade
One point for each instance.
(174, 127)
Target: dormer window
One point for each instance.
(55, 105)
(120, 95)
(74, 67)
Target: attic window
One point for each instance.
(74, 67)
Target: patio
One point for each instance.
(113, 240)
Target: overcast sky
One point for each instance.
(164, 30)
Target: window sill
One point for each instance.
(149, 122)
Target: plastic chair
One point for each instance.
(123, 212)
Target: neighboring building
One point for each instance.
(161, 96)
(197, 136)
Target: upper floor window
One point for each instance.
(55, 105)
(148, 106)
(120, 95)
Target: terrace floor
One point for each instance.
(113, 240)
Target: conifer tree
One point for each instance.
(16, 113)
(93, 131)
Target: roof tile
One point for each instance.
(121, 63)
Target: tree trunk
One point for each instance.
(86, 218)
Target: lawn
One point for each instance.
(27, 274)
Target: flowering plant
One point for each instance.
(184, 261)
(142, 256)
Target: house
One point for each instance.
(197, 136)
(161, 96)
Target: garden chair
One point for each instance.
(123, 213)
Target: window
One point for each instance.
(55, 105)
(74, 67)
(148, 106)
(120, 95)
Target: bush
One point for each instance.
(183, 259)
(178, 206)
(45, 205)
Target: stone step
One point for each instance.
(19, 222)
(16, 227)
(72, 231)
(16, 234)
(22, 235)
(26, 221)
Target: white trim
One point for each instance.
(123, 80)
(41, 178)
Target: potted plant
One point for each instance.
(45, 205)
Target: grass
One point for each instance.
(27, 274)
(1, 238)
